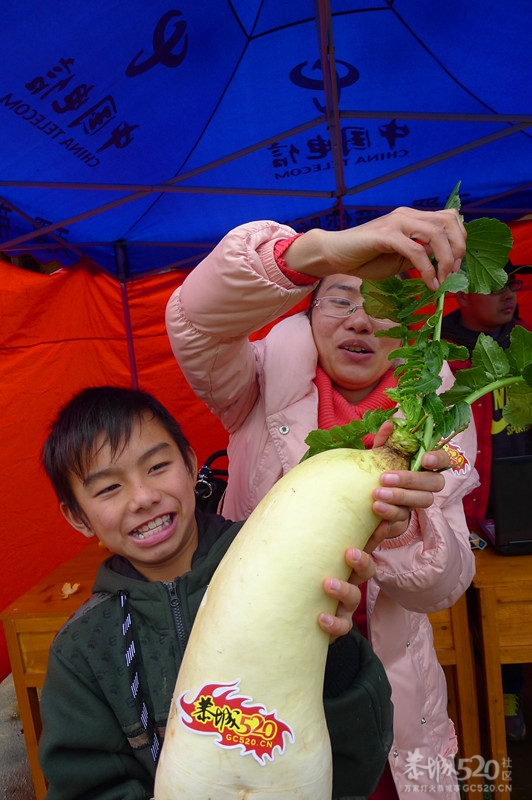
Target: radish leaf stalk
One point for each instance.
(427, 419)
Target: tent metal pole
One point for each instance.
(121, 269)
(328, 68)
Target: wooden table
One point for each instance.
(454, 648)
(32, 621)
(30, 624)
(502, 590)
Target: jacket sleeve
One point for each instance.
(82, 750)
(431, 565)
(236, 290)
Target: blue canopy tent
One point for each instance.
(135, 135)
(138, 133)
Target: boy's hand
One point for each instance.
(346, 593)
(402, 491)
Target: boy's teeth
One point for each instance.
(150, 526)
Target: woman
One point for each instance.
(322, 369)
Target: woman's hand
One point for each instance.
(404, 238)
(346, 593)
(402, 491)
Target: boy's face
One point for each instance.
(140, 502)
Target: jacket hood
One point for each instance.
(116, 574)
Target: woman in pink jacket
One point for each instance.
(325, 368)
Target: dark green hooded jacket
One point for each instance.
(98, 742)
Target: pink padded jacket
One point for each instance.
(264, 394)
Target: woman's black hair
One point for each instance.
(97, 416)
(312, 298)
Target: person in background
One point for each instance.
(494, 314)
(323, 368)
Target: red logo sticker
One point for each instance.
(459, 460)
(218, 710)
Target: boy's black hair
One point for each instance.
(79, 425)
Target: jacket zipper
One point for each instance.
(177, 614)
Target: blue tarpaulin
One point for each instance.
(138, 133)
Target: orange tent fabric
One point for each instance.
(60, 333)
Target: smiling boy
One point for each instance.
(138, 499)
(124, 472)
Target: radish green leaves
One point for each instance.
(428, 419)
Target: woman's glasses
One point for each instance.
(336, 306)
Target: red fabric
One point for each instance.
(279, 249)
(361, 614)
(60, 333)
(333, 409)
(386, 787)
(521, 254)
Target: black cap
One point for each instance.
(518, 269)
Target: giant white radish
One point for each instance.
(247, 718)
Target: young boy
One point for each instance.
(124, 472)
